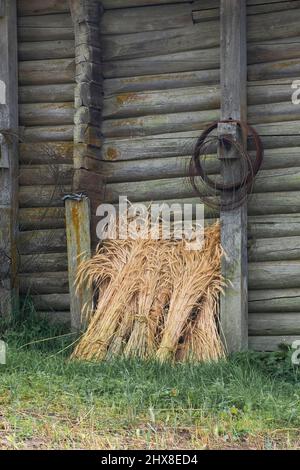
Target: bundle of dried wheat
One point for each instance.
(156, 300)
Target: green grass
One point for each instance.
(46, 401)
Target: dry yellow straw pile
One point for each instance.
(156, 300)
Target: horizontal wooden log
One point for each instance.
(267, 205)
(113, 4)
(273, 135)
(44, 283)
(189, 121)
(260, 27)
(270, 343)
(56, 318)
(47, 72)
(266, 181)
(269, 70)
(274, 249)
(168, 41)
(172, 167)
(42, 241)
(46, 114)
(203, 59)
(46, 134)
(39, 218)
(47, 93)
(53, 262)
(274, 300)
(274, 274)
(272, 324)
(42, 196)
(160, 81)
(186, 99)
(147, 19)
(46, 7)
(52, 302)
(47, 174)
(187, 61)
(281, 225)
(47, 152)
(59, 49)
(45, 28)
(170, 16)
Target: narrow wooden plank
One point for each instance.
(234, 302)
(9, 168)
(282, 225)
(79, 249)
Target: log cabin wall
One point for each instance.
(46, 104)
(161, 87)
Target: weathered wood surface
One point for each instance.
(172, 167)
(38, 218)
(52, 302)
(59, 49)
(48, 174)
(46, 114)
(55, 317)
(42, 196)
(281, 24)
(47, 72)
(286, 179)
(39, 262)
(42, 241)
(273, 70)
(186, 99)
(46, 7)
(79, 250)
(274, 300)
(188, 121)
(265, 324)
(47, 134)
(164, 16)
(46, 152)
(274, 274)
(274, 249)
(273, 135)
(270, 343)
(45, 28)
(161, 81)
(282, 225)
(47, 93)
(9, 168)
(44, 283)
(112, 4)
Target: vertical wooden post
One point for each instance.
(79, 249)
(8, 156)
(234, 304)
